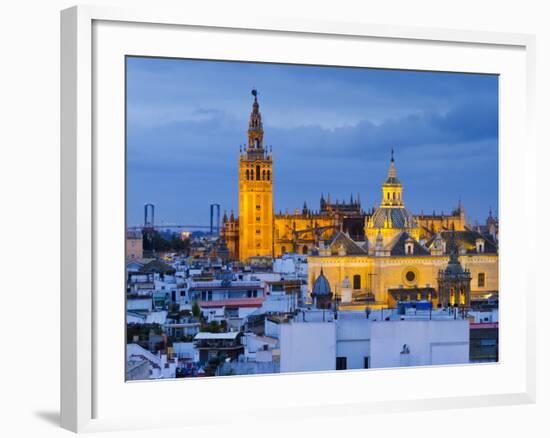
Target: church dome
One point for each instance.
(321, 285)
(384, 217)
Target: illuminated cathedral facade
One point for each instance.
(376, 257)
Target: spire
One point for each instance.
(255, 148)
(379, 245)
(391, 172)
(454, 265)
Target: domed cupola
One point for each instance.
(391, 217)
(322, 293)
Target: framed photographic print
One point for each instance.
(327, 213)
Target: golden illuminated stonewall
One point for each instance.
(255, 191)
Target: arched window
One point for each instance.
(304, 249)
(268, 175)
(247, 174)
(481, 279)
(388, 196)
(251, 175)
(258, 173)
(357, 282)
(263, 175)
(394, 196)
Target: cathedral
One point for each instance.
(261, 232)
(375, 257)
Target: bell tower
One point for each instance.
(392, 189)
(255, 191)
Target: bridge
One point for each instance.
(167, 227)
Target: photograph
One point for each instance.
(286, 218)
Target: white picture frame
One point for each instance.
(92, 392)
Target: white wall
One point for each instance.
(308, 346)
(353, 338)
(430, 342)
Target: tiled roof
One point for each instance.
(321, 286)
(466, 240)
(237, 302)
(349, 245)
(397, 217)
(156, 266)
(397, 247)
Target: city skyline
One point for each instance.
(331, 130)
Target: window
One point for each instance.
(258, 207)
(488, 342)
(304, 249)
(481, 279)
(263, 175)
(357, 282)
(258, 231)
(410, 276)
(341, 363)
(366, 362)
(257, 218)
(247, 174)
(257, 172)
(268, 175)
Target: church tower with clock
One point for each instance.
(255, 191)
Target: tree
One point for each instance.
(196, 310)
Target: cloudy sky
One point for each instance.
(331, 129)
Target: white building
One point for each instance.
(419, 342)
(353, 340)
(307, 345)
(316, 341)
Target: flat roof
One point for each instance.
(208, 335)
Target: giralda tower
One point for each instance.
(255, 191)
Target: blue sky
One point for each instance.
(331, 129)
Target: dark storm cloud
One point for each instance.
(331, 130)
